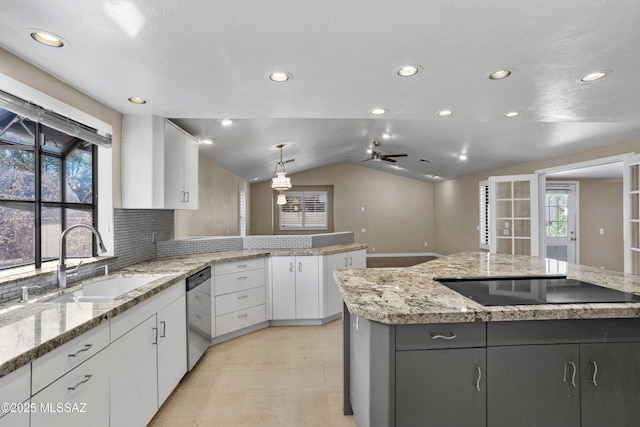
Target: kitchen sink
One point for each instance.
(104, 290)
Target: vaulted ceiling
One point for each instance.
(201, 61)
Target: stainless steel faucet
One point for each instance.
(25, 292)
(62, 268)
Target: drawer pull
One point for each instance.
(198, 316)
(242, 278)
(573, 375)
(164, 329)
(85, 348)
(242, 316)
(443, 337)
(595, 373)
(86, 379)
(155, 338)
(242, 266)
(479, 377)
(244, 296)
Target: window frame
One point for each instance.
(484, 227)
(303, 194)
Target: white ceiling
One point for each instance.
(199, 61)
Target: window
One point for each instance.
(242, 211)
(305, 210)
(556, 206)
(484, 215)
(47, 183)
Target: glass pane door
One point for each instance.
(631, 184)
(514, 214)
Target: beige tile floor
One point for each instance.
(279, 376)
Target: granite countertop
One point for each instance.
(410, 295)
(28, 331)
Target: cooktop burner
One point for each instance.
(534, 290)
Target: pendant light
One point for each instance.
(280, 182)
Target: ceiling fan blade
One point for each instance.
(389, 160)
(394, 155)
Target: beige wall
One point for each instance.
(457, 206)
(217, 213)
(17, 69)
(398, 211)
(601, 207)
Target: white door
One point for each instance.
(307, 287)
(172, 347)
(631, 209)
(560, 221)
(283, 287)
(513, 214)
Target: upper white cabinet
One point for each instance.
(159, 164)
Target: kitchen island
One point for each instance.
(419, 353)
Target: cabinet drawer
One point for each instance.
(56, 363)
(440, 335)
(239, 281)
(563, 331)
(242, 265)
(239, 300)
(240, 319)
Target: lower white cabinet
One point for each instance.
(340, 261)
(15, 390)
(78, 398)
(147, 361)
(295, 287)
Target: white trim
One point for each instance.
(403, 255)
(27, 93)
(585, 164)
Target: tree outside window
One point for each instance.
(556, 210)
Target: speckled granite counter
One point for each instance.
(411, 296)
(326, 250)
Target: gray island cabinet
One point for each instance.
(419, 354)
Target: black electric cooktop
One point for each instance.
(534, 290)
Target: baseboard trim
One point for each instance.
(305, 322)
(404, 255)
(239, 332)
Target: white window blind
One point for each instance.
(484, 215)
(304, 210)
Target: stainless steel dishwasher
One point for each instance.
(198, 315)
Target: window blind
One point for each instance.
(484, 215)
(304, 211)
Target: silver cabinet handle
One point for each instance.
(346, 262)
(573, 375)
(188, 196)
(479, 377)
(198, 316)
(243, 296)
(242, 277)
(86, 379)
(242, 266)
(164, 329)
(299, 266)
(290, 267)
(595, 373)
(350, 261)
(155, 339)
(242, 316)
(443, 337)
(85, 348)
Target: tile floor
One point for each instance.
(279, 376)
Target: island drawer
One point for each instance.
(440, 335)
(240, 319)
(571, 331)
(242, 265)
(239, 281)
(239, 300)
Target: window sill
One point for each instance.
(16, 274)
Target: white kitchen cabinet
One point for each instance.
(79, 398)
(239, 296)
(15, 389)
(332, 301)
(172, 335)
(295, 287)
(159, 165)
(148, 356)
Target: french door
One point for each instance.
(631, 189)
(514, 214)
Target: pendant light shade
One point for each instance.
(280, 182)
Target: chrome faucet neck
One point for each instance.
(62, 268)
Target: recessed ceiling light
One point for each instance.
(136, 100)
(386, 135)
(408, 70)
(500, 74)
(433, 176)
(593, 76)
(445, 113)
(378, 111)
(226, 122)
(207, 141)
(462, 156)
(280, 76)
(47, 39)
(512, 114)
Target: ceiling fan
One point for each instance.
(377, 156)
